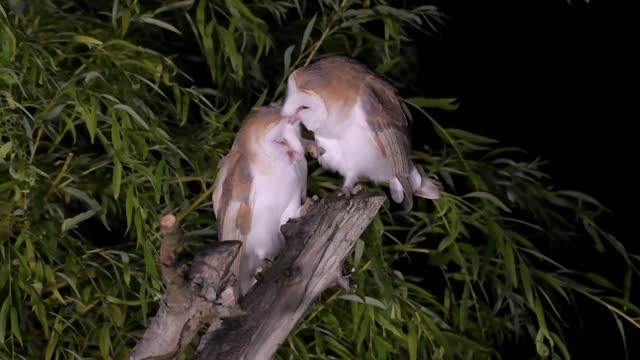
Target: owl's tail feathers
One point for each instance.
(401, 191)
(235, 270)
(425, 187)
(247, 267)
(242, 269)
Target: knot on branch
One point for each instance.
(209, 275)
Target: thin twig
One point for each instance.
(55, 182)
(195, 204)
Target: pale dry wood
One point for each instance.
(188, 304)
(311, 263)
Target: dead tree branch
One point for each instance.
(186, 306)
(312, 262)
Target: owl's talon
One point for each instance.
(266, 265)
(343, 192)
(345, 281)
(308, 204)
(315, 151)
(348, 192)
(312, 148)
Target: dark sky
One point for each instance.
(547, 76)
(552, 78)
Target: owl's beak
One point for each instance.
(291, 119)
(292, 153)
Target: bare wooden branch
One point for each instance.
(171, 237)
(311, 262)
(186, 307)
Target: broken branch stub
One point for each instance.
(186, 306)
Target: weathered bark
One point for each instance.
(186, 307)
(311, 263)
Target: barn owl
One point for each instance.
(359, 123)
(261, 184)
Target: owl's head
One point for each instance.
(266, 132)
(304, 105)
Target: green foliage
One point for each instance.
(115, 113)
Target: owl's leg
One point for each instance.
(266, 260)
(265, 265)
(248, 267)
(348, 189)
(312, 148)
(308, 204)
(345, 281)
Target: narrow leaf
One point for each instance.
(622, 335)
(160, 23)
(307, 33)
(600, 280)
(231, 50)
(412, 340)
(117, 177)
(114, 14)
(129, 205)
(207, 41)
(82, 196)
(440, 103)
(510, 265)
(134, 114)
(4, 310)
(467, 341)
(115, 300)
(527, 285)
(359, 250)
(261, 98)
(87, 40)
(70, 223)
(365, 300)
(470, 137)
(490, 197)
(105, 342)
(287, 58)
(580, 196)
(51, 346)
(448, 240)
(464, 307)
(15, 324)
(41, 314)
(116, 139)
(4, 150)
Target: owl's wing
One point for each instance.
(232, 201)
(388, 125)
